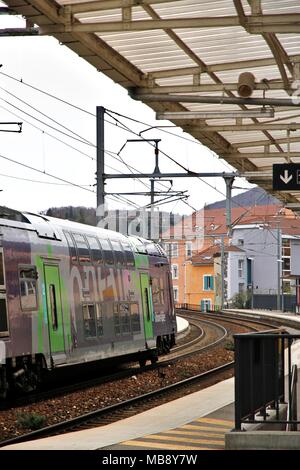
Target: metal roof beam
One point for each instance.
(140, 25)
(134, 93)
(255, 24)
(242, 64)
(261, 143)
(111, 5)
(245, 127)
(239, 155)
(272, 85)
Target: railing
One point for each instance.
(261, 360)
(197, 308)
(292, 406)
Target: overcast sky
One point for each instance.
(43, 63)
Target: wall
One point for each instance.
(261, 245)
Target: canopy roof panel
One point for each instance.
(196, 49)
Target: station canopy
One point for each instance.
(188, 55)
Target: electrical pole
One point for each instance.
(279, 259)
(222, 272)
(100, 179)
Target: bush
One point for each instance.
(31, 421)
(241, 300)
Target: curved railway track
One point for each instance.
(148, 400)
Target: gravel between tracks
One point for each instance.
(80, 402)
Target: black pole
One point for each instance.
(100, 156)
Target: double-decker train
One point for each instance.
(72, 293)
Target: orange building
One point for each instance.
(200, 279)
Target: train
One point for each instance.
(72, 294)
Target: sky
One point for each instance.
(43, 63)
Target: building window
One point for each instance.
(28, 277)
(174, 250)
(208, 282)
(241, 287)
(240, 242)
(175, 291)
(175, 271)
(188, 249)
(241, 267)
(286, 247)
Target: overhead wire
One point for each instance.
(123, 126)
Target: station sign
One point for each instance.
(286, 176)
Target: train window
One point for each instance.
(135, 318)
(117, 319)
(82, 248)
(125, 317)
(3, 317)
(107, 252)
(156, 291)
(89, 320)
(72, 249)
(147, 304)
(118, 252)
(2, 281)
(95, 250)
(99, 320)
(53, 306)
(152, 249)
(141, 246)
(128, 254)
(27, 278)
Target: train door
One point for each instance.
(54, 313)
(3, 307)
(147, 306)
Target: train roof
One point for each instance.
(49, 227)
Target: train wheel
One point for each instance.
(142, 362)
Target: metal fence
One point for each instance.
(269, 302)
(260, 378)
(197, 308)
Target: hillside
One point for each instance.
(253, 197)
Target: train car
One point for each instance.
(72, 293)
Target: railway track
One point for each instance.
(126, 408)
(148, 400)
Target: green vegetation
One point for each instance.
(241, 300)
(31, 421)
